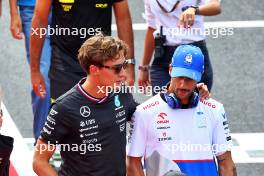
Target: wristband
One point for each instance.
(196, 8)
(131, 61)
(143, 67)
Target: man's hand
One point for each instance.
(130, 75)
(38, 84)
(144, 79)
(16, 26)
(187, 18)
(203, 91)
(226, 165)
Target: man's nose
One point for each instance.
(182, 81)
(123, 73)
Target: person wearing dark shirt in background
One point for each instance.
(72, 23)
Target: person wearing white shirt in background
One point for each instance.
(170, 24)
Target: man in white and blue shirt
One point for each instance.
(176, 132)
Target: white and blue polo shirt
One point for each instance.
(180, 140)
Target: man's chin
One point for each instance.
(182, 93)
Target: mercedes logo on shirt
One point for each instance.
(85, 111)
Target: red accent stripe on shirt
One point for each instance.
(187, 161)
(12, 170)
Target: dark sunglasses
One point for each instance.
(117, 68)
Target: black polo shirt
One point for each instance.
(91, 134)
(73, 22)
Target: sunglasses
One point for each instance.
(117, 68)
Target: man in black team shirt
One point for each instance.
(89, 121)
(73, 21)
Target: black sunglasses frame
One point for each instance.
(116, 68)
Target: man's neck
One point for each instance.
(93, 89)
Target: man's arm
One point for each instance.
(213, 7)
(16, 24)
(39, 24)
(210, 9)
(42, 154)
(134, 166)
(125, 33)
(226, 165)
(144, 79)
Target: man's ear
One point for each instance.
(170, 68)
(93, 70)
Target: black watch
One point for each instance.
(197, 12)
(196, 8)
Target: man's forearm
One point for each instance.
(36, 42)
(124, 25)
(134, 167)
(148, 47)
(42, 155)
(125, 33)
(13, 7)
(43, 169)
(210, 9)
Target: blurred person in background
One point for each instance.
(170, 24)
(6, 146)
(72, 23)
(21, 12)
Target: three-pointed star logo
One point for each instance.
(85, 111)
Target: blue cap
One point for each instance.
(187, 61)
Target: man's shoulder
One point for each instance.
(211, 104)
(213, 109)
(67, 99)
(151, 104)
